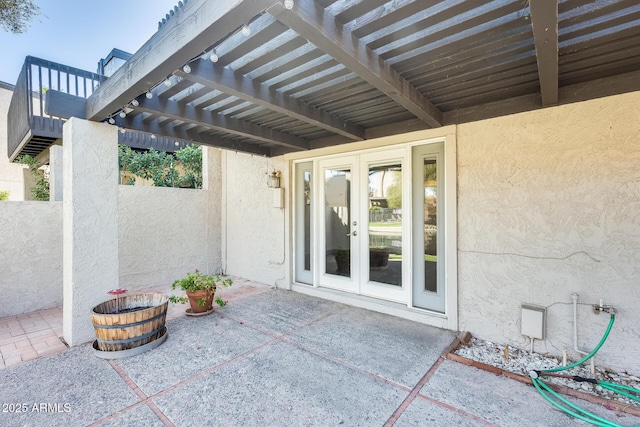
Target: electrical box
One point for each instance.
(534, 321)
(278, 198)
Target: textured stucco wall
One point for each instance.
(89, 223)
(30, 256)
(255, 231)
(11, 174)
(167, 232)
(164, 233)
(548, 205)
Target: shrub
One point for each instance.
(41, 190)
(159, 166)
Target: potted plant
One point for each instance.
(200, 290)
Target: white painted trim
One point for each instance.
(288, 233)
(361, 147)
(368, 287)
(351, 283)
(447, 135)
(451, 230)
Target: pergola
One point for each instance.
(272, 76)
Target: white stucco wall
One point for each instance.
(255, 231)
(548, 205)
(11, 174)
(30, 256)
(89, 223)
(165, 233)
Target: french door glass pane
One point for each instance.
(337, 214)
(307, 219)
(303, 220)
(385, 224)
(430, 179)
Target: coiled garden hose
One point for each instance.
(570, 408)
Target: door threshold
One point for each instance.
(419, 315)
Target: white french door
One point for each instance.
(338, 224)
(382, 246)
(428, 228)
(372, 224)
(361, 226)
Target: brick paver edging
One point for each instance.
(609, 404)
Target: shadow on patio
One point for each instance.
(274, 357)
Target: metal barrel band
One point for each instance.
(128, 340)
(128, 325)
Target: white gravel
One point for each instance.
(522, 361)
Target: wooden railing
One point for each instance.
(27, 117)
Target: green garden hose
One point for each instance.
(572, 409)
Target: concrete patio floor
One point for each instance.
(276, 358)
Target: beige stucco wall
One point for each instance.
(255, 230)
(548, 205)
(165, 233)
(11, 174)
(30, 256)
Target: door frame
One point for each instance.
(447, 135)
(321, 277)
(435, 301)
(367, 286)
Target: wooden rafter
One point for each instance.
(225, 80)
(136, 123)
(310, 20)
(544, 20)
(177, 111)
(193, 29)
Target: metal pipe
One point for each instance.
(574, 297)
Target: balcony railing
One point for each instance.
(30, 129)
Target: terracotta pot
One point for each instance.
(195, 296)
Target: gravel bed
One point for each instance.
(519, 361)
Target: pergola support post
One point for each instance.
(90, 223)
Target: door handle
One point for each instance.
(353, 233)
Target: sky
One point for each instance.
(79, 33)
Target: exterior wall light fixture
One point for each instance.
(273, 179)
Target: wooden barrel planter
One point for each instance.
(132, 325)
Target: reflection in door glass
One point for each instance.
(337, 219)
(385, 224)
(430, 225)
(303, 220)
(307, 220)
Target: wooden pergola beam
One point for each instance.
(310, 20)
(184, 112)
(544, 21)
(225, 80)
(195, 27)
(136, 123)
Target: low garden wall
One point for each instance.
(163, 233)
(30, 256)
